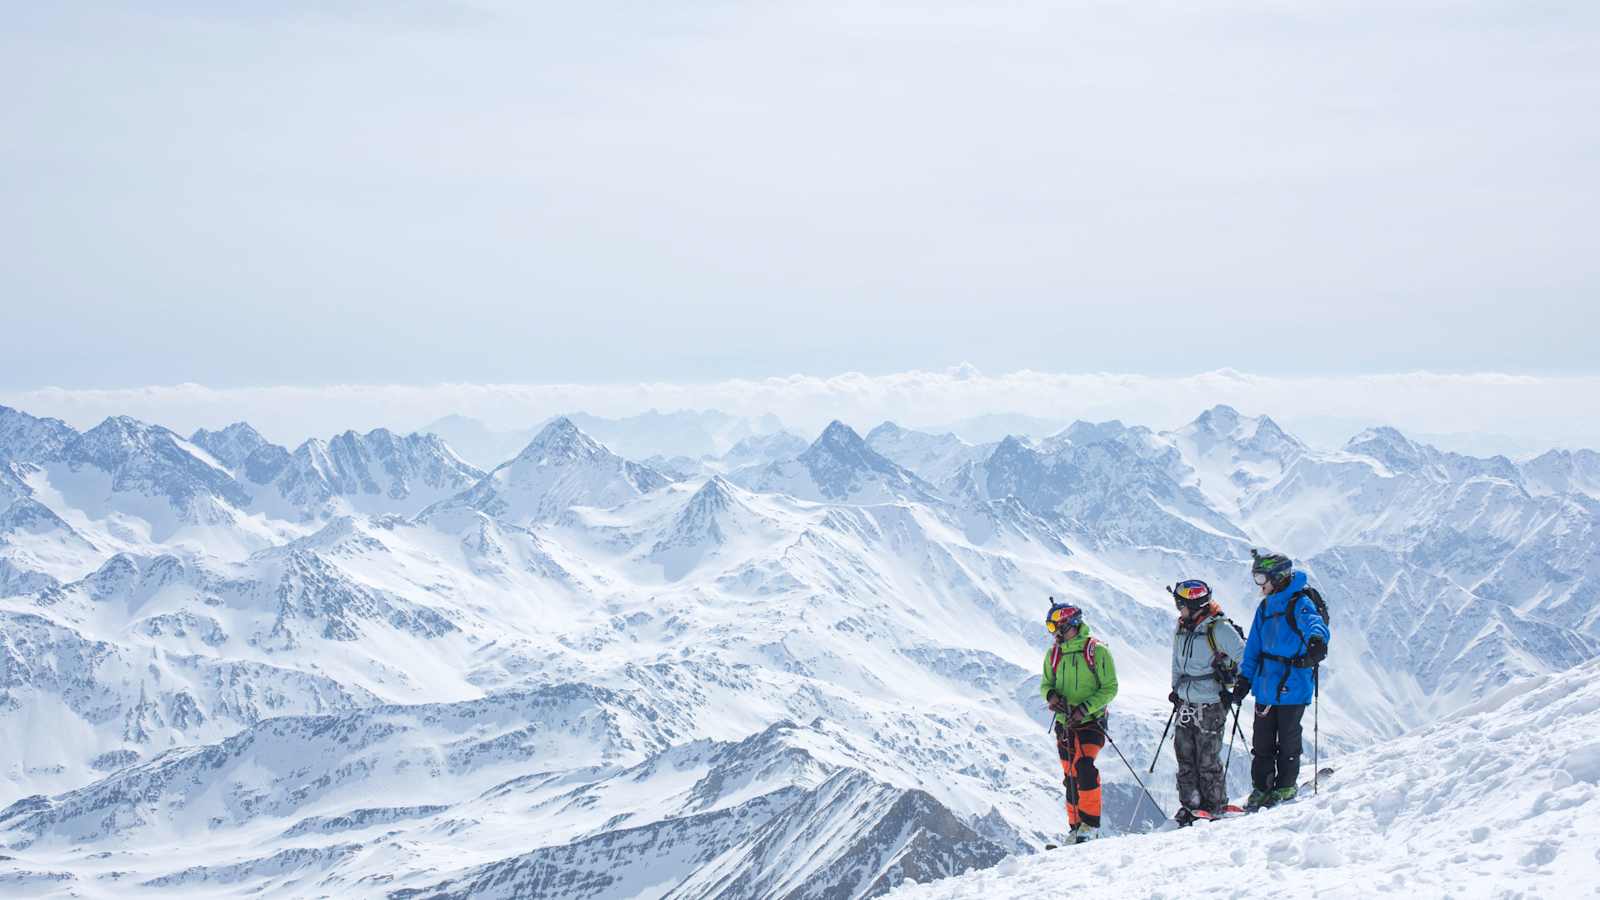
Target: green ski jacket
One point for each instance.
(1069, 675)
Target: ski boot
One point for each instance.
(1284, 794)
(1184, 817)
(1084, 833)
(1259, 800)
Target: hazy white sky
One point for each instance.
(242, 194)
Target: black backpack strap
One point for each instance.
(1288, 612)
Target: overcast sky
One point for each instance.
(249, 194)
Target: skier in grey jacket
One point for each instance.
(1206, 650)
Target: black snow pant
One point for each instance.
(1198, 746)
(1275, 747)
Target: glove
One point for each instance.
(1241, 690)
(1057, 703)
(1316, 652)
(1174, 699)
(1077, 715)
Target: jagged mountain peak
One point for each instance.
(717, 492)
(1081, 433)
(838, 467)
(839, 448)
(30, 438)
(1012, 443)
(123, 428)
(838, 438)
(1390, 447)
(561, 468)
(764, 448)
(154, 461)
(885, 429)
(715, 514)
(379, 471)
(1222, 419)
(1381, 434)
(1224, 423)
(231, 445)
(561, 442)
(120, 439)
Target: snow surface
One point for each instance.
(1499, 800)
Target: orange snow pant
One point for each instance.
(1078, 747)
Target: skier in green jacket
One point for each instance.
(1079, 682)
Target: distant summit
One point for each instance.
(560, 468)
(839, 467)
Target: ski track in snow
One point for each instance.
(1502, 801)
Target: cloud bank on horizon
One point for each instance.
(1484, 412)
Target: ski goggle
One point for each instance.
(1261, 578)
(1191, 590)
(1064, 617)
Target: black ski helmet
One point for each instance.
(1270, 568)
(1192, 595)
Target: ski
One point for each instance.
(1228, 812)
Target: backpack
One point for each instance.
(1315, 597)
(1212, 638)
(1321, 605)
(1222, 668)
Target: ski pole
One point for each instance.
(1316, 730)
(1071, 778)
(1136, 778)
(1163, 740)
(1230, 738)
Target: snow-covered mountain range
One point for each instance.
(367, 667)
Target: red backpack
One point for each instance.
(1088, 657)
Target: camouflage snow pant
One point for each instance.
(1198, 744)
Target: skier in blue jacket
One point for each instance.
(1288, 638)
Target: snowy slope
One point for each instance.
(1499, 800)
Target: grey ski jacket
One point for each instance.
(1191, 658)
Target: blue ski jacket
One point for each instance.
(1273, 640)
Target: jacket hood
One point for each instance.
(1296, 582)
